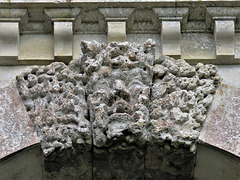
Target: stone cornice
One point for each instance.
(191, 21)
(172, 14)
(116, 14)
(223, 13)
(9, 14)
(62, 13)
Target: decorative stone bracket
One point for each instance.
(223, 19)
(116, 22)
(171, 19)
(9, 33)
(63, 32)
(224, 34)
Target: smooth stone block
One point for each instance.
(224, 38)
(9, 39)
(36, 48)
(171, 37)
(63, 40)
(116, 31)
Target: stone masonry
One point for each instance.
(118, 113)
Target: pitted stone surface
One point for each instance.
(55, 100)
(128, 103)
(181, 95)
(118, 88)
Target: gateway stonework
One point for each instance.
(150, 93)
(134, 116)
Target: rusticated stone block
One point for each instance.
(140, 116)
(55, 100)
(118, 89)
(163, 161)
(181, 95)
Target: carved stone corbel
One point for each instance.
(63, 32)
(9, 34)
(171, 19)
(116, 19)
(222, 20)
(224, 34)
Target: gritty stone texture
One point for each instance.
(16, 129)
(222, 127)
(164, 161)
(120, 77)
(55, 100)
(142, 114)
(181, 95)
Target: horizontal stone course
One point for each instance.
(84, 18)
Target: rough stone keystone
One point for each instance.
(102, 102)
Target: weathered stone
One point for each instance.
(163, 161)
(55, 100)
(179, 102)
(125, 102)
(120, 77)
(222, 127)
(16, 129)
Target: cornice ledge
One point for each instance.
(221, 13)
(116, 14)
(11, 14)
(170, 14)
(62, 14)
